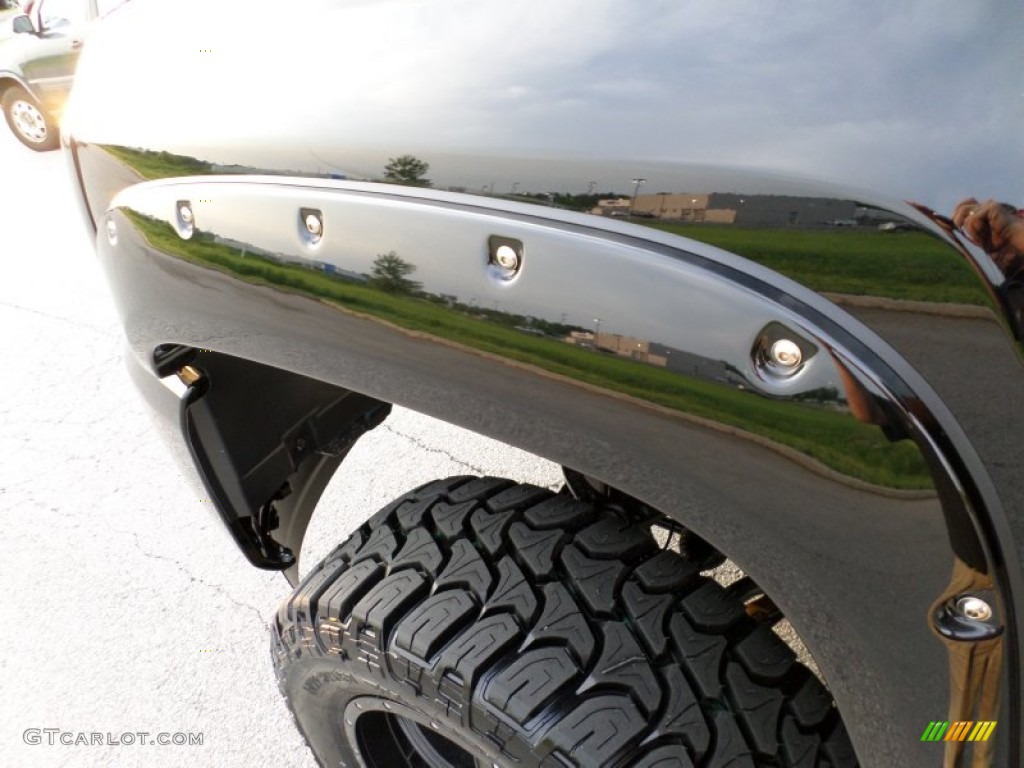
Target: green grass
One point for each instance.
(899, 265)
(835, 439)
(159, 165)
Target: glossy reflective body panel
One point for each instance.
(627, 331)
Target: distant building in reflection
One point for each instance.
(738, 209)
(613, 206)
(661, 355)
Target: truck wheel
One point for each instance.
(29, 121)
(477, 623)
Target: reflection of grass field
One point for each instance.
(159, 165)
(834, 439)
(897, 265)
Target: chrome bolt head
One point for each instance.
(112, 231)
(974, 608)
(506, 257)
(786, 354)
(314, 225)
(185, 211)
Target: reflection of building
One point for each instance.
(785, 210)
(682, 207)
(627, 346)
(743, 210)
(661, 355)
(695, 365)
(616, 206)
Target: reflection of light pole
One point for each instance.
(636, 190)
(597, 329)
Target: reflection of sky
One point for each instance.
(917, 99)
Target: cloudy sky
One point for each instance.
(920, 99)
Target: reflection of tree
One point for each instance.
(408, 170)
(389, 274)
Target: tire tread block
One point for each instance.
(561, 620)
(513, 592)
(597, 581)
(409, 515)
(609, 537)
(491, 529)
(449, 518)
(561, 512)
(349, 549)
(622, 664)
(682, 717)
(664, 757)
(465, 568)
(304, 604)
(517, 497)
(798, 748)
(336, 602)
(730, 748)
(478, 646)
(536, 549)
(522, 688)
(838, 749)
(597, 729)
(381, 544)
(764, 656)
(701, 655)
(443, 487)
(649, 614)
(758, 707)
(425, 630)
(666, 572)
(478, 488)
(811, 703)
(711, 608)
(421, 550)
(379, 606)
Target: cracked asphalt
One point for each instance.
(128, 608)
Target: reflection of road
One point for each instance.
(983, 356)
(111, 176)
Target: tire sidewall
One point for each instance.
(325, 693)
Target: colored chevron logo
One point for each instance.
(961, 730)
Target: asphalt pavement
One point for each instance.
(132, 617)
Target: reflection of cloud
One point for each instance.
(915, 99)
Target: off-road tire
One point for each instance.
(531, 629)
(16, 97)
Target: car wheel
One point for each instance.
(475, 622)
(29, 121)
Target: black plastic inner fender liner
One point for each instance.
(265, 442)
